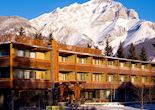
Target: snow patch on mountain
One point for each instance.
(95, 21)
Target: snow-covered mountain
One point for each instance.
(12, 24)
(90, 23)
(95, 21)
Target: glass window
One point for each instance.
(4, 52)
(82, 60)
(132, 79)
(64, 59)
(26, 74)
(133, 66)
(21, 53)
(121, 65)
(122, 78)
(33, 74)
(97, 77)
(27, 53)
(62, 76)
(143, 67)
(32, 55)
(109, 78)
(110, 63)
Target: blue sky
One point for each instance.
(33, 8)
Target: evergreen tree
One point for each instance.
(132, 52)
(51, 36)
(108, 49)
(120, 51)
(143, 54)
(22, 31)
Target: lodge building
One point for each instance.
(28, 64)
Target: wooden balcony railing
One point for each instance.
(31, 63)
(100, 85)
(4, 61)
(113, 69)
(5, 83)
(79, 49)
(83, 68)
(136, 71)
(24, 40)
(66, 67)
(31, 84)
(99, 69)
(124, 70)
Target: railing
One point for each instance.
(83, 68)
(5, 83)
(24, 40)
(136, 71)
(4, 61)
(79, 49)
(100, 85)
(31, 63)
(99, 69)
(124, 70)
(112, 69)
(31, 84)
(66, 67)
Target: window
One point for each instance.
(122, 78)
(62, 76)
(142, 67)
(133, 66)
(110, 63)
(121, 65)
(97, 77)
(33, 74)
(143, 79)
(27, 53)
(26, 74)
(110, 77)
(132, 79)
(96, 61)
(64, 59)
(21, 53)
(4, 52)
(82, 60)
(32, 55)
(82, 76)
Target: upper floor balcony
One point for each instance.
(79, 49)
(24, 40)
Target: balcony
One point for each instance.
(146, 72)
(100, 85)
(124, 70)
(83, 68)
(113, 69)
(79, 49)
(23, 40)
(66, 66)
(4, 61)
(31, 84)
(136, 71)
(99, 69)
(5, 83)
(31, 63)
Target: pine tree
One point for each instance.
(51, 36)
(120, 51)
(108, 49)
(132, 52)
(143, 54)
(22, 31)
